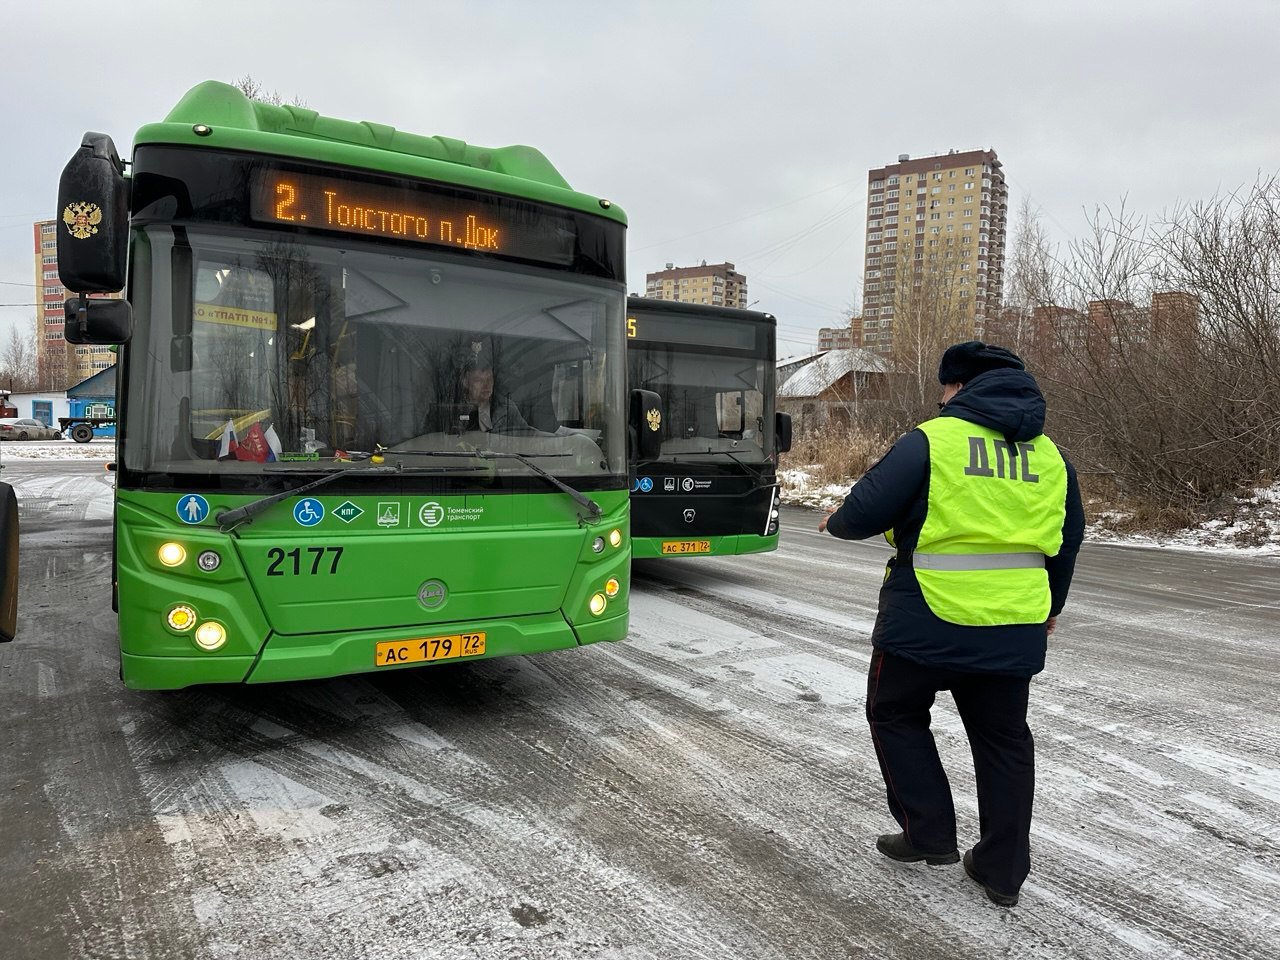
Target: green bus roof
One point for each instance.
(237, 123)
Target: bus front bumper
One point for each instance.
(317, 656)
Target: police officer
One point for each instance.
(986, 517)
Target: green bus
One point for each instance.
(372, 402)
(711, 488)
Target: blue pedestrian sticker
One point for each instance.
(192, 508)
(646, 484)
(308, 512)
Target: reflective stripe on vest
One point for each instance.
(977, 561)
(995, 511)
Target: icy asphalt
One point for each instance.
(705, 789)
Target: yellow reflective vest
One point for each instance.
(995, 511)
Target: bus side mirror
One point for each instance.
(782, 431)
(646, 425)
(8, 563)
(93, 204)
(97, 321)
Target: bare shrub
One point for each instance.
(1162, 371)
(838, 455)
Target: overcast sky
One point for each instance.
(727, 129)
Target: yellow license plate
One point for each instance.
(394, 652)
(686, 546)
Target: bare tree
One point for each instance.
(1167, 350)
(18, 371)
(1034, 280)
(255, 90)
(933, 308)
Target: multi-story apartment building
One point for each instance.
(935, 244)
(58, 364)
(836, 338)
(718, 284)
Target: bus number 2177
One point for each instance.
(298, 562)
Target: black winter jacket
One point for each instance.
(894, 496)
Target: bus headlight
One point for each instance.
(598, 603)
(611, 587)
(597, 544)
(615, 538)
(209, 561)
(210, 635)
(181, 618)
(172, 554)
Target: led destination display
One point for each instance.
(419, 214)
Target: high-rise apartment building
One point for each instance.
(935, 247)
(58, 364)
(717, 284)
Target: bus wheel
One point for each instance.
(82, 433)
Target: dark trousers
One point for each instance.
(900, 693)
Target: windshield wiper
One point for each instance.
(758, 474)
(592, 508)
(228, 520)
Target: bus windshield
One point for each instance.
(267, 349)
(715, 400)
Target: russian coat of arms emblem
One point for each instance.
(82, 219)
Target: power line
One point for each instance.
(14, 283)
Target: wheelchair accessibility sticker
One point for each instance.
(308, 512)
(192, 508)
(642, 485)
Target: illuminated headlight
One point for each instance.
(615, 538)
(181, 617)
(598, 603)
(208, 561)
(210, 635)
(773, 514)
(597, 544)
(611, 587)
(172, 554)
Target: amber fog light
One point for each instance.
(598, 603)
(181, 617)
(615, 538)
(611, 587)
(210, 635)
(172, 554)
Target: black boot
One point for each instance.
(1003, 899)
(895, 846)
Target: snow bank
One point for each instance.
(104, 449)
(1250, 525)
(800, 489)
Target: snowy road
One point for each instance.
(706, 789)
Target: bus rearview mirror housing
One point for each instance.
(782, 430)
(98, 321)
(93, 219)
(646, 424)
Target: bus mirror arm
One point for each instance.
(8, 563)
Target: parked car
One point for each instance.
(15, 428)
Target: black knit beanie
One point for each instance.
(964, 361)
